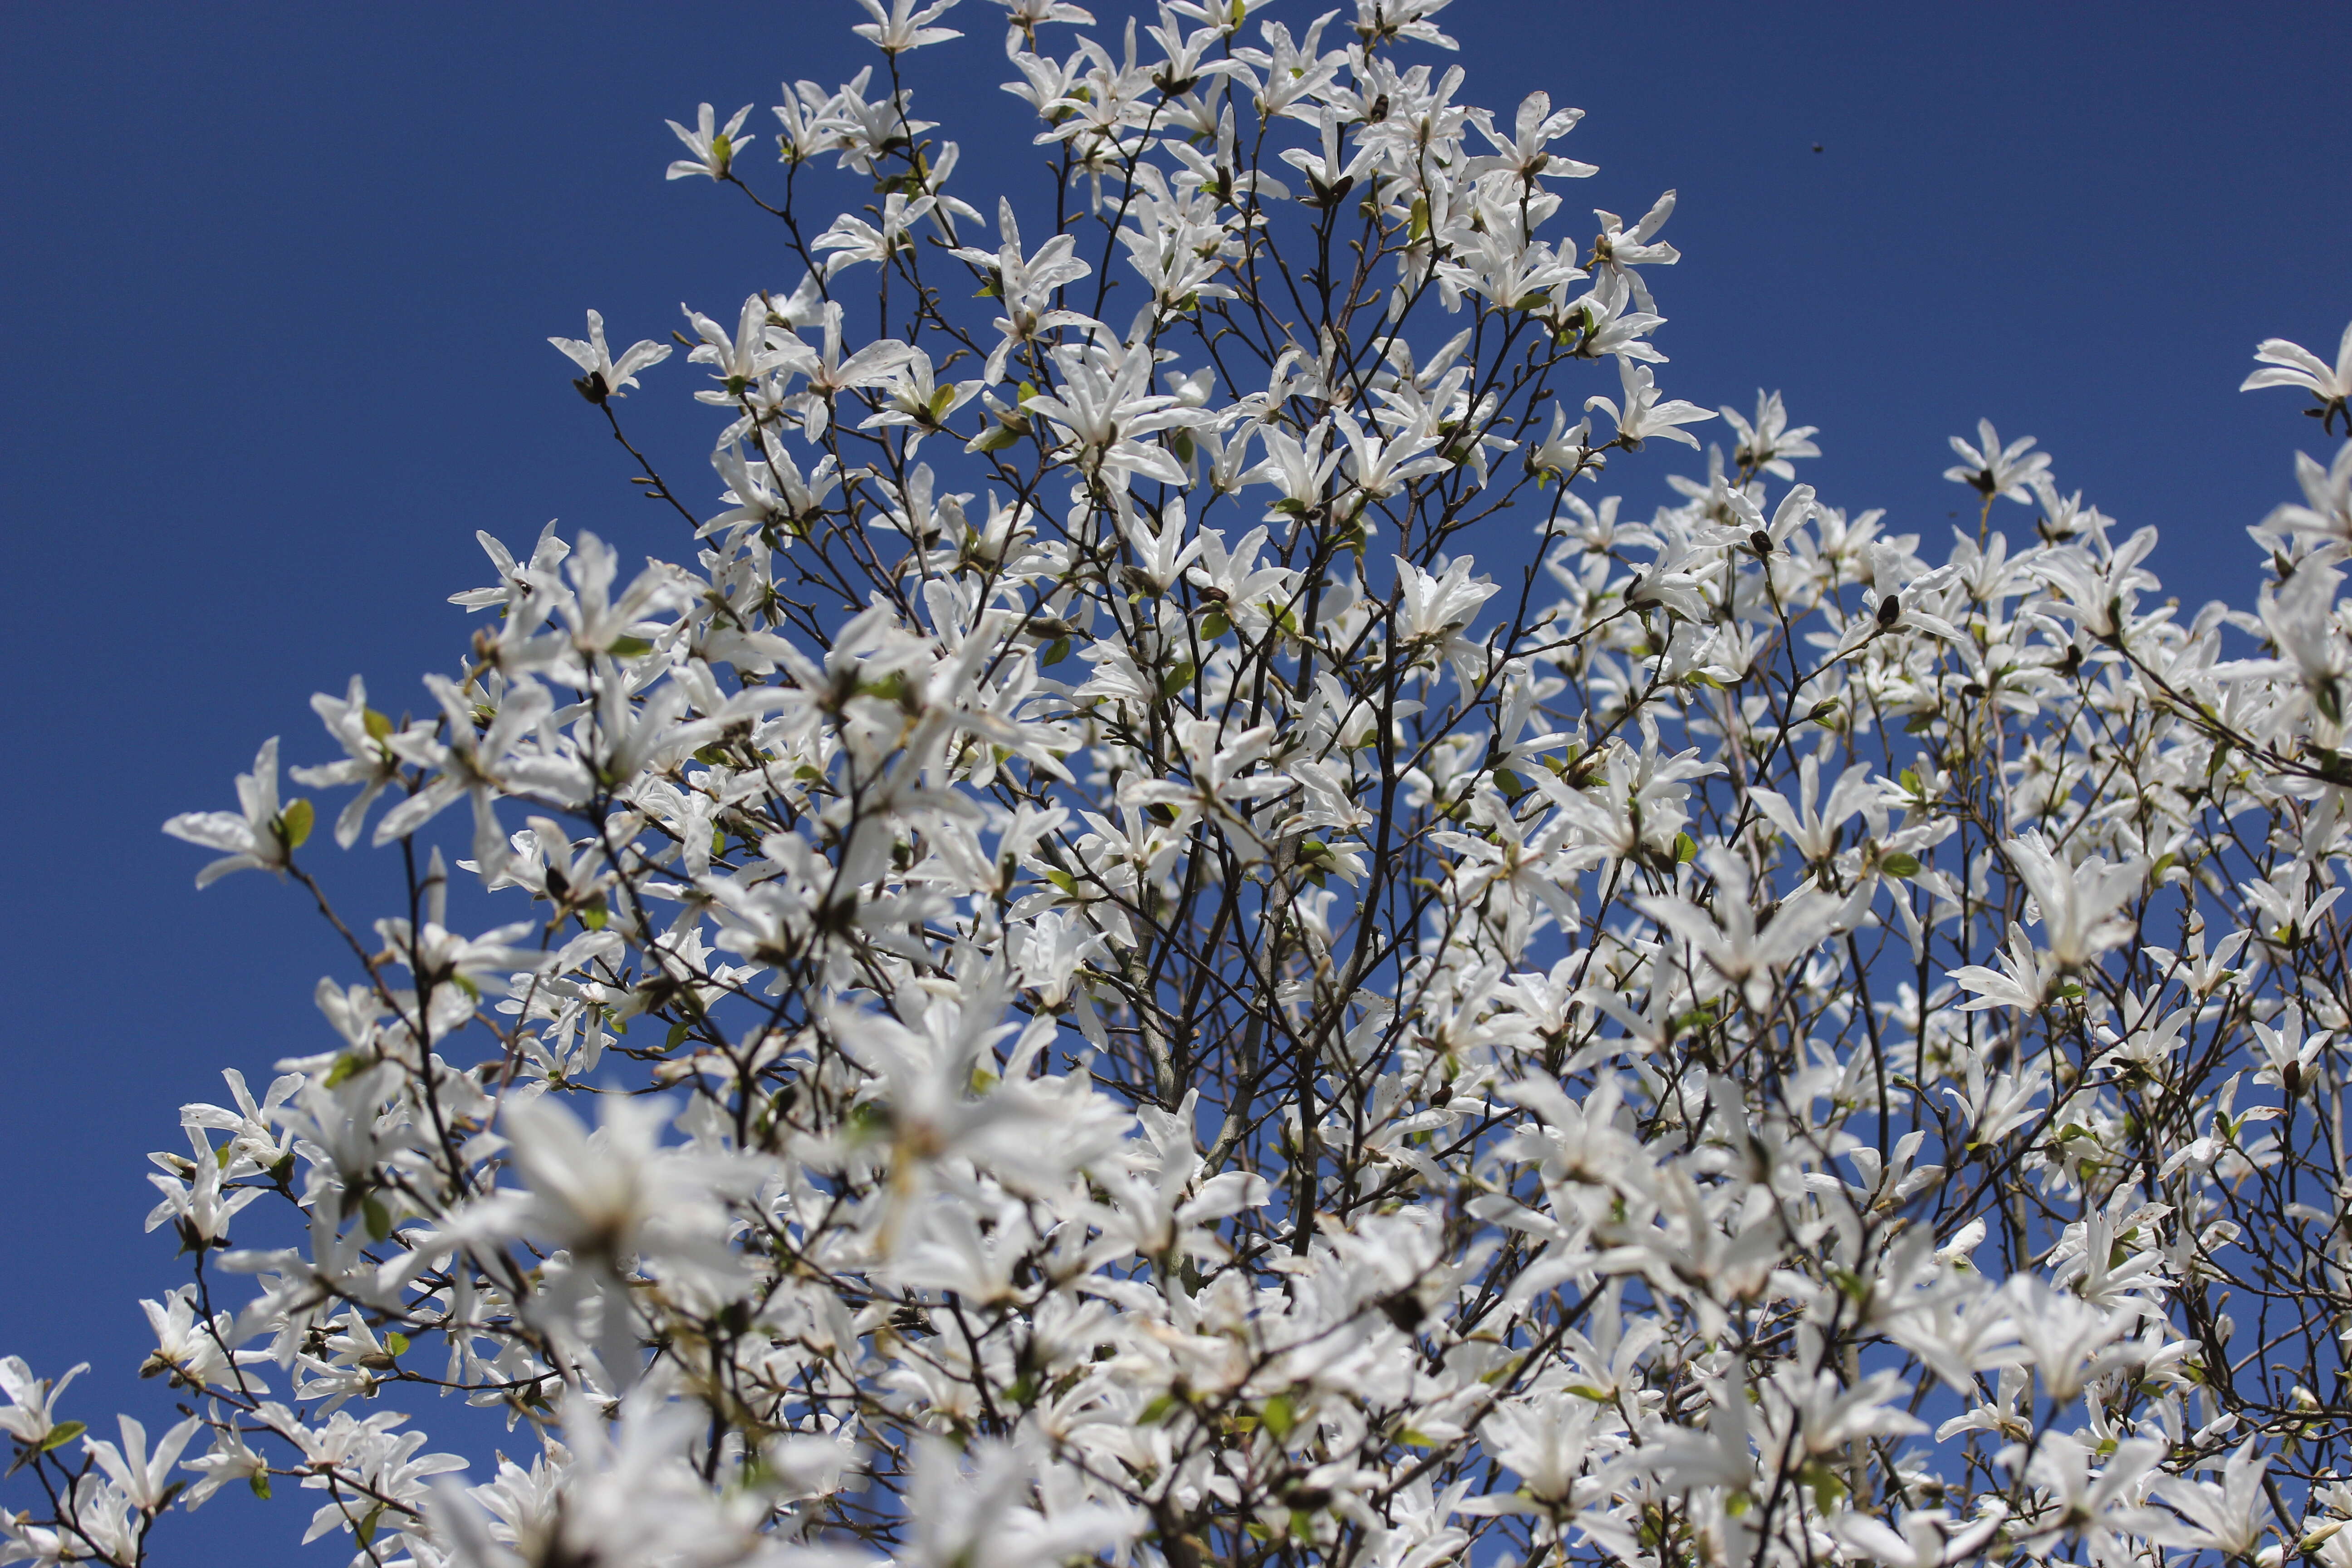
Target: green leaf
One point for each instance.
(396, 1343)
(1177, 680)
(1686, 850)
(377, 1217)
(1900, 865)
(61, 1434)
(378, 725)
(294, 822)
(631, 648)
(365, 1530)
(1280, 1417)
(347, 1066)
(594, 916)
(1059, 650)
(996, 437)
(259, 1482)
(1510, 783)
(1214, 625)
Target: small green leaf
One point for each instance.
(1055, 652)
(631, 648)
(1900, 865)
(294, 822)
(365, 1530)
(378, 725)
(1280, 1417)
(1214, 625)
(1177, 680)
(259, 1482)
(61, 1434)
(594, 916)
(347, 1066)
(377, 1218)
(396, 1343)
(1510, 783)
(1686, 850)
(996, 437)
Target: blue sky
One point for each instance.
(279, 279)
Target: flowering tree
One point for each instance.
(1069, 979)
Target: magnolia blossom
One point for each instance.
(1117, 945)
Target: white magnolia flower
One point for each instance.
(2291, 364)
(258, 836)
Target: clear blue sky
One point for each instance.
(278, 280)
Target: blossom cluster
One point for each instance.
(1061, 976)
